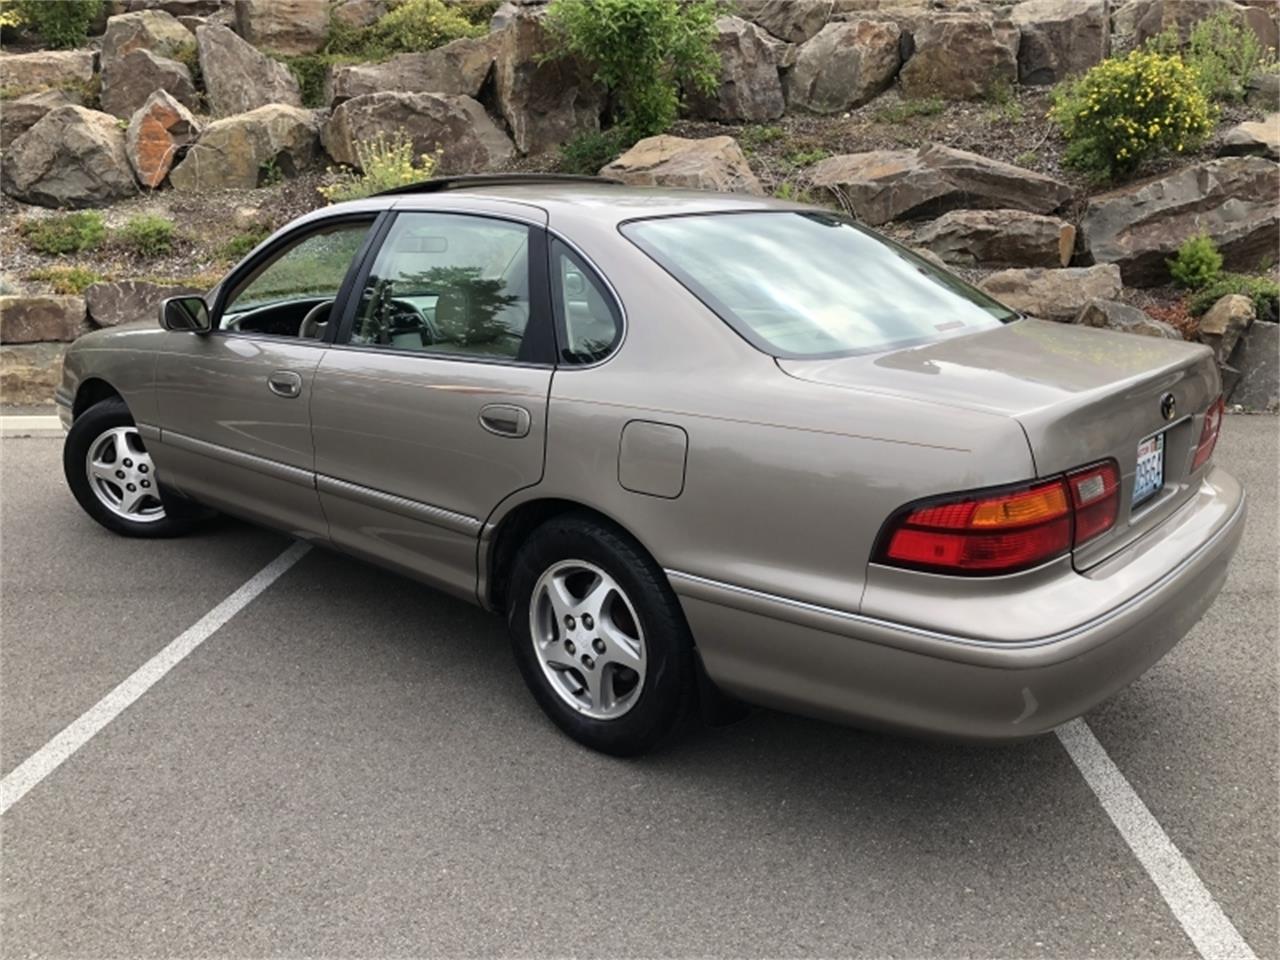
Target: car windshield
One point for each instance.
(810, 284)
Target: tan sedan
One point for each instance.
(696, 448)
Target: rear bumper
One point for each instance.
(848, 667)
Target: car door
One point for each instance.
(431, 407)
(235, 424)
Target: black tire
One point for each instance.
(179, 515)
(668, 691)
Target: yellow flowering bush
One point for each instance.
(1124, 111)
(385, 162)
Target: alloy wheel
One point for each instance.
(123, 477)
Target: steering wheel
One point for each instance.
(312, 326)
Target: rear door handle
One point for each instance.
(505, 419)
(284, 383)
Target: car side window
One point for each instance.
(292, 294)
(588, 316)
(448, 284)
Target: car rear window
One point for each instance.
(811, 284)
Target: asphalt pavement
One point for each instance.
(350, 766)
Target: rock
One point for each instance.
(111, 304)
(20, 115)
(1257, 360)
(241, 151)
(73, 157)
(844, 65)
(48, 68)
(1114, 315)
(1257, 138)
(455, 125)
(128, 81)
(796, 21)
(511, 10)
(713, 163)
(237, 78)
(884, 185)
(749, 88)
(999, 238)
(40, 319)
(1263, 92)
(545, 102)
(158, 132)
(1137, 21)
(961, 56)
(459, 67)
(355, 14)
(153, 30)
(1224, 323)
(1060, 38)
(283, 26)
(1054, 294)
(1139, 227)
(29, 373)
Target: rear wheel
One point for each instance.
(599, 637)
(113, 478)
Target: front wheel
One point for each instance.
(599, 637)
(113, 478)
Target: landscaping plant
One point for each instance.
(587, 152)
(643, 51)
(1263, 291)
(60, 23)
(385, 162)
(148, 235)
(1197, 264)
(413, 26)
(1226, 54)
(64, 233)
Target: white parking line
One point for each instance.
(49, 757)
(1214, 936)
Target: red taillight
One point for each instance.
(994, 533)
(1008, 531)
(1209, 433)
(1095, 496)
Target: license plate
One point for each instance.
(1149, 477)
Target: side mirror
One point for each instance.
(185, 313)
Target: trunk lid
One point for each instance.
(1080, 395)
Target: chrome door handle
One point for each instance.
(284, 383)
(505, 419)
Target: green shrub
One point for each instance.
(1197, 264)
(65, 233)
(1263, 291)
(60, 23)
(385, 162)
(413, 26)
(148, 235)
(642, 51)
(588, 152)
(806, 157)
(67, 281)
(1225, 53)
(1125, 111)
(310, 69)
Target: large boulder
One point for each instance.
(1262, 92)
(1054, 294)
(1137, 21)
(795, 21)
(354, 14)
(158, 133)
(1257, 362)
(73, 157)
(999, 238)
(460, 67)
(884, 185)
(30, 372)
(1225, 323)
(153, 30)
(237, 78)
(1139, 227)
(456, 126)
(48, 68)
(1253, 138)
(713, 163)
(124, 301)
(285, 26)
(749, 88)
(41, 319)
(1060, 38)
(545, 100)
(129, 80)
(20, 115)
(1114, 315)
(961, 56)
(844, 65)
(243, 150)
